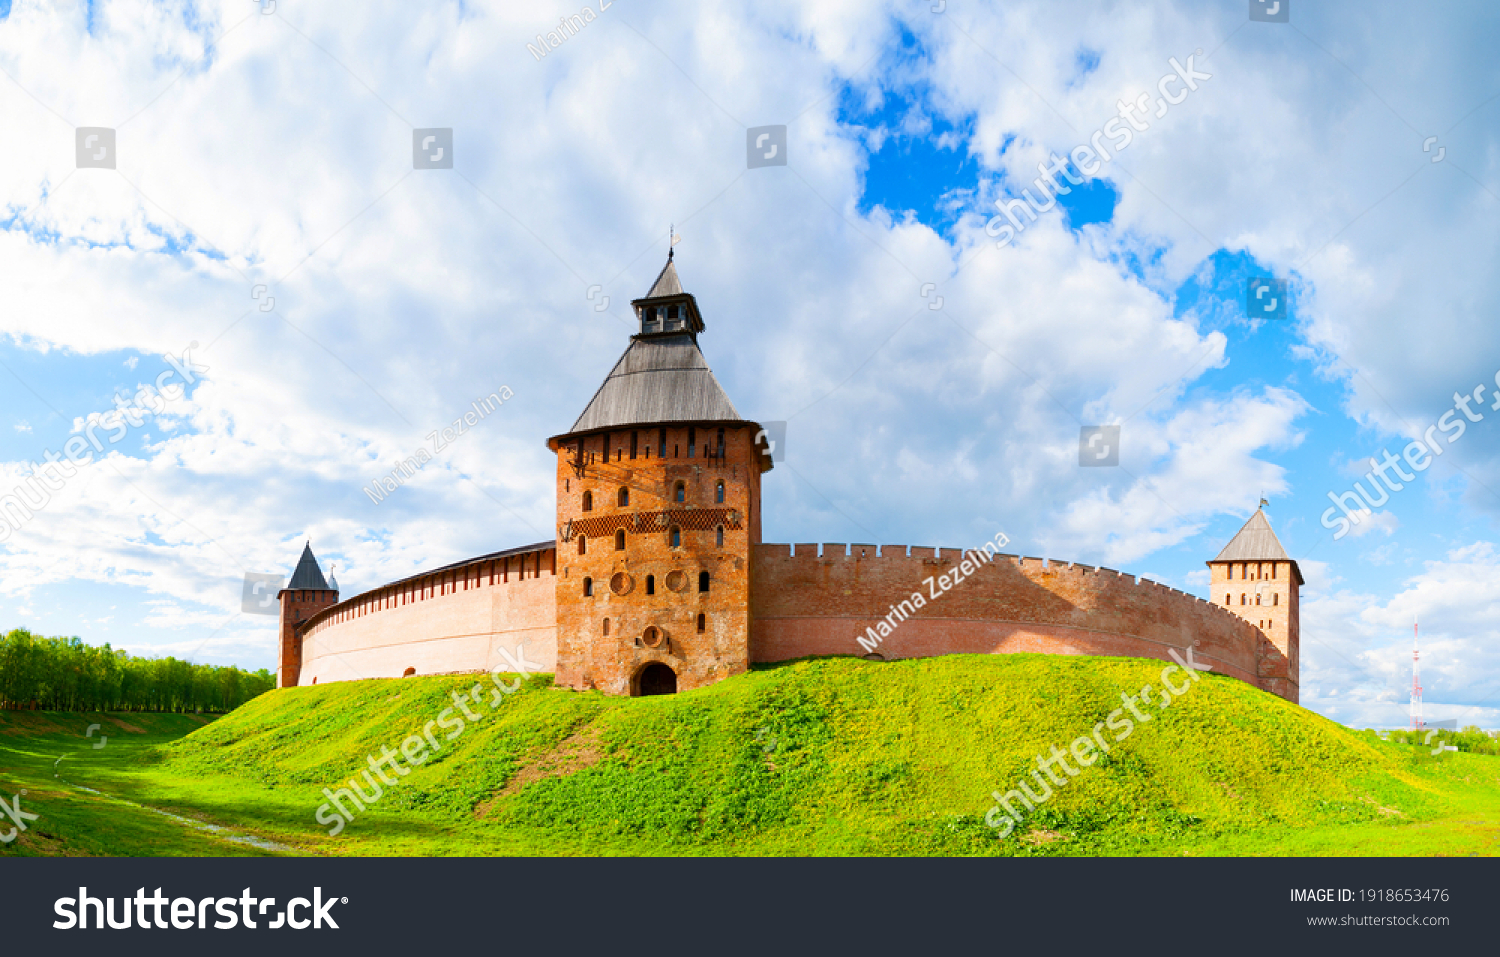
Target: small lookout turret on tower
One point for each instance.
(666, 310)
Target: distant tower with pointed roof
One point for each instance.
(1256, 579)
(658, 511)
(304, 596)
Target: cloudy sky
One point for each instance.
(264, 225)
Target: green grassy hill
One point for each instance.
(38, 752)
(825, 756)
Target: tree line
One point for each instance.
(1472, 739)
(64, 674)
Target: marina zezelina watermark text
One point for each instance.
(186, 913)
(937, 586)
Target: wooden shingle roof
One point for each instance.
(662, 378)
(667, 283)
(1256, 542)
(658, 380)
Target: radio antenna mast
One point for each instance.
(1416, 681)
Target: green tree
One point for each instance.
(64, 674)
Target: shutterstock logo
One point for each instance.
(187, 914)
(95, 147)
(17, 816)
(765, 146)
(258, 594)
(1099, 445)
(1265, 298)
(432, 148)
(772, 438)
(1271, 11)
(1441, 744)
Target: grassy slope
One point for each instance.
(831, 756)
(39, 753)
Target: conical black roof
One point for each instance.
(308, 575)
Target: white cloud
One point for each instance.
(253, 157)
(1386, 522)
(1357, 642)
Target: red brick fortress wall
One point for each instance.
(453, 620)
(807, 603)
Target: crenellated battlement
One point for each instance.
(927, 555)
(815, 598)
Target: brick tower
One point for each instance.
(658, 505)
(304, 596)
(1255, 578)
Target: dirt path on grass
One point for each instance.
(576, 752)
(219, 831)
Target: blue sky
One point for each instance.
(267, 156)
(918, 164)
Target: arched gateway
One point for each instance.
(656, 678)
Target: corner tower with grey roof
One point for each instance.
(1256, 579)
(658, 507)
(304, 596)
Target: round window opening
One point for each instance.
(653, 637)
(621, 583)
(676, 581)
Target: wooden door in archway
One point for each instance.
(657, 678)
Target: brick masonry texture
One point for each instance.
(623, 605)
(1265, 594)
(812, 604)
(298, 607)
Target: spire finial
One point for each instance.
(671, 240)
